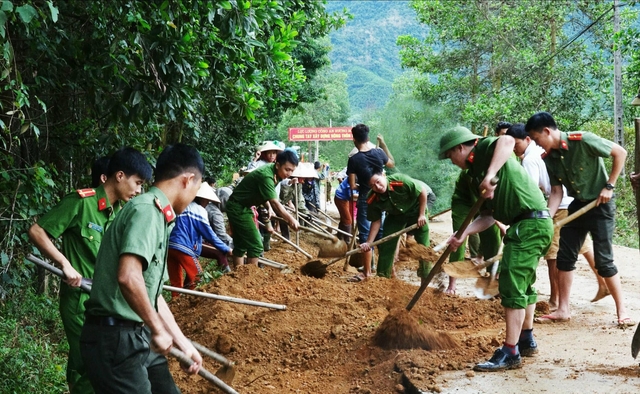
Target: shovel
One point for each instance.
(436, 268)
(335, 248)
(467, 269)
(86, 286)
(318, 269)
(180, 356)
(487, 287)
(227, 372)
(280, 237)
(635, 343)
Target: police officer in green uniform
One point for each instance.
(258, 187)
(486, 243)
(517, 201)
(81, 219)
(129, 327)
(575, 160)
(404, 199)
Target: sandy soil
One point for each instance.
(323, 342)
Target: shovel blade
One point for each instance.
(462, 269)
(332, 249)
(226, 373)
(315, 269)
(486, 288)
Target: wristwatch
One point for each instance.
(609, 186)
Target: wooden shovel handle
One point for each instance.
(576, 214)
(318, 233)
(425, 283)
(385, 239)
(208, 352)
(280, 237)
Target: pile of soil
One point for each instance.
(324, 342)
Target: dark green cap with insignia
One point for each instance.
(454, 137)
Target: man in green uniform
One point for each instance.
(257, 187)
(81, 218)
(516, 201)
(129, 327)
(404, 199)
(575, 161)
(486, 243)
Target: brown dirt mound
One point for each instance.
(400, 330)
(323, 342)
(413, 251)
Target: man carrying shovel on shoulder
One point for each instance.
(517, 201)
(404, 199)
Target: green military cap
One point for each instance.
(454, 137)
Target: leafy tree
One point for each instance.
(82, 78)
(365, 49)
(506, 60)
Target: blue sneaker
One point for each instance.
(500, 361)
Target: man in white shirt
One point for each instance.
(531, 157)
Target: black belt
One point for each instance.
(111, 321)
(532, 215)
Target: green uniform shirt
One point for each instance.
(578, 164)
(142, 229)
(464, 194)
(257, 187)
(81, 221)
(400, 198)
(516, 193)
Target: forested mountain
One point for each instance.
(365, 49)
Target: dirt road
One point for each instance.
(323, 342)
(589, 354)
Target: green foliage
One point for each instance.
(83, 78)
(25, 193)
(508, 66)
(210, 271)
(366, 51)
(33, 348)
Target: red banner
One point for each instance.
(319, 133)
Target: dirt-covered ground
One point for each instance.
(323, 342)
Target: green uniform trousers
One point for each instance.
(387, 250)
(489, 239)
(119, 360)
(524, 244)
(72, 313)
(246, 237)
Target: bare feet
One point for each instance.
(626, 322)
(553, 306)
(602, 292)
(450, 291)
(552, 318)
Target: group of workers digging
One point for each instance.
(118, 335)
(572, 162)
